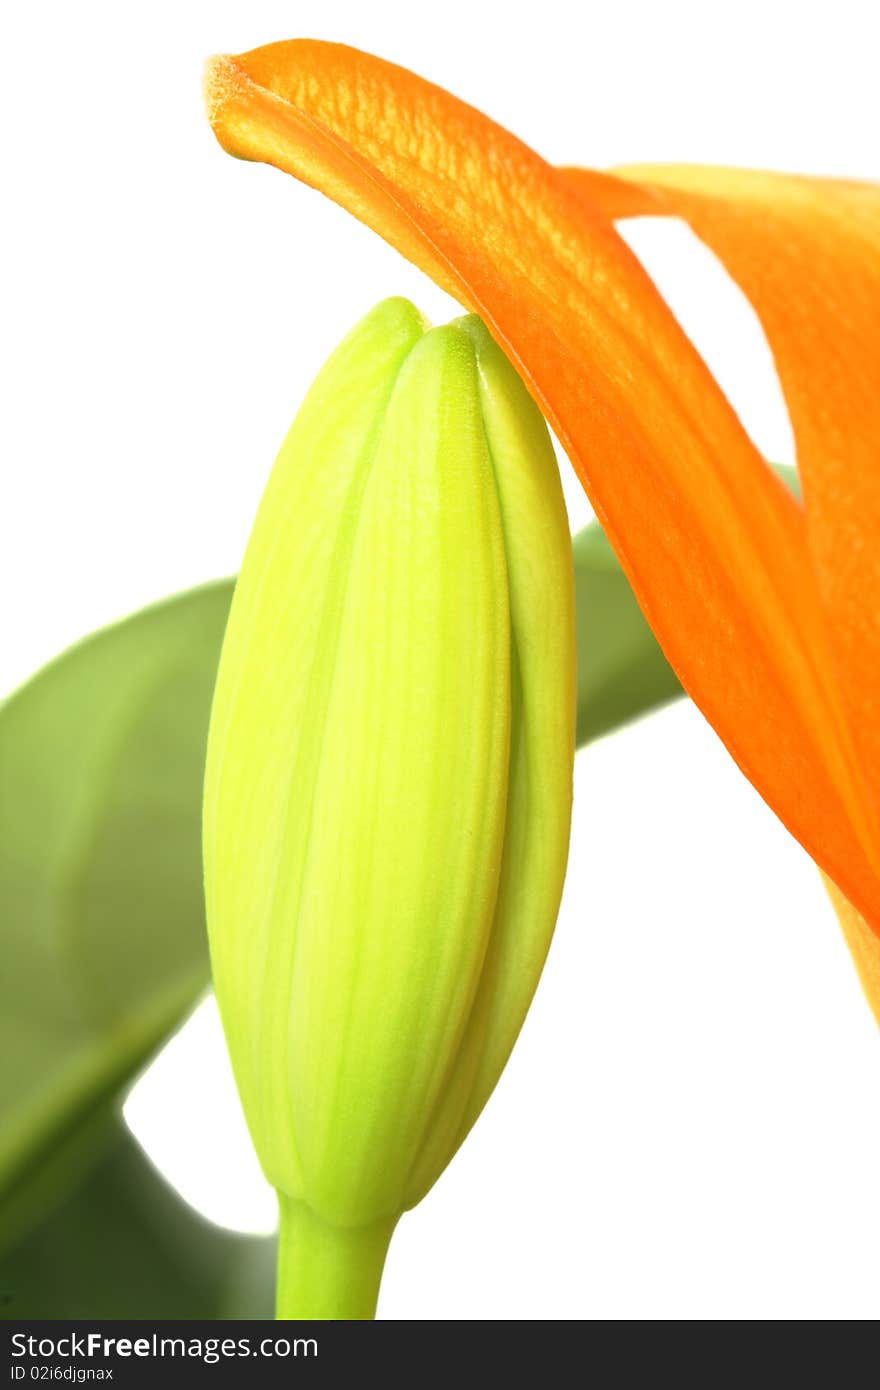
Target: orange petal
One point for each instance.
(806, 252)
(714, 546)
(863, 944)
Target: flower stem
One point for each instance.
(328, 1272)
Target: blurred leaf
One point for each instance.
(789, 475)
(125, 1246)
(622, 672)
(102, 931)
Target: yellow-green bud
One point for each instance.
(388, 787)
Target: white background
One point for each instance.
(690, 1127)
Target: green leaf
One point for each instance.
(622, 672)
(102, 935)
(125, 1246)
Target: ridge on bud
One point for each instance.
(388, 785)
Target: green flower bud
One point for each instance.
(388, 787)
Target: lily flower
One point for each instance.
(767, 608)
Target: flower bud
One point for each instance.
(388, 786)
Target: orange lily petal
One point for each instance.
(714, 546)
(806, 253)
(863, 944)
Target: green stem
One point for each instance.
(328, 1272)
